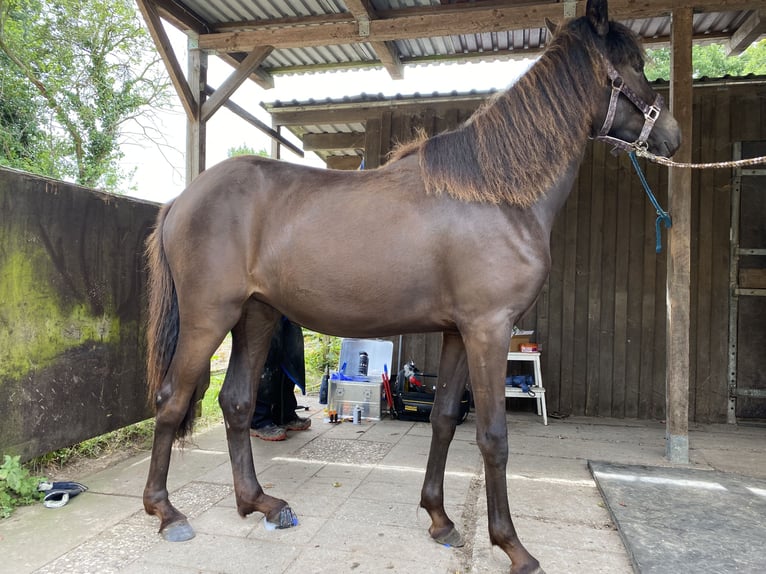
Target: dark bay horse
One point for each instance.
(252, 239)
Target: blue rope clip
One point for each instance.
(663, 217)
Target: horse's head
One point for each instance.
(630, 114)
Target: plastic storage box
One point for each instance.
(379, 353)
(343, 396)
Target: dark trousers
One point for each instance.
(276, 402)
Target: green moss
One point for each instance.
(36, 323)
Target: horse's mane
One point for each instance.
(514, 147)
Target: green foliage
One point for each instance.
(17, 487)
(245, 149)
(320, 352)
(71, 75)
(710, 61)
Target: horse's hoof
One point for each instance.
(178, 532)
(285, 519)
(452, 538)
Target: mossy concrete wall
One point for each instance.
(72, 311)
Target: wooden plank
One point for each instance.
(606, 341)
(235, 79)
(747, 33)
(445, 20)
(649, 293)
(622, 189)
(595, 263)
(334, 113)
(387, 53)
(372, 143)
(337, 141)
(658, 389)
(345, 162)
(719, 313)
(196, 127)
(580, 350)
(568, 334)
(678, 270)
(165, 49)
(397, 25)
(551, 357)
(752, 278)
(702, 272)
(635, 287)
(385, 136)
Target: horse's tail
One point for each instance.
(163, 323)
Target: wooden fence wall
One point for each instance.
(72, 310)
(600, 319)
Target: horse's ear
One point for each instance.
(598, 15)
(552, 28)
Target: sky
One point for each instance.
(160, 170)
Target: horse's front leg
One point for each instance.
(453, 376)
(487, 349)
(251, 338)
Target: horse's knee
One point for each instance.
(236, 410)
(443, 425)
(493, 446)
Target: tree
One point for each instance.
(710, 61)
(75, 72)
(245, 149)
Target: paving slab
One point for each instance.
(686, 520)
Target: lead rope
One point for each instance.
(715, 165)
(663, 217)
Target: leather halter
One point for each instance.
(651, 112)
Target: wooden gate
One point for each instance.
(747, 307)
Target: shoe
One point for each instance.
(298, 423)
(269, 432)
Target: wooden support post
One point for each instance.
(195, 126)
(372, 143)
(276, 148)
(679, 246)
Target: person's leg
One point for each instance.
(290, 420)
(263, 424)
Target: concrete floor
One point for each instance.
(356, 492)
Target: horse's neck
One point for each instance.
(551, 202)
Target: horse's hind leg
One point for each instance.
(199, 336)
(453, 376)
(251, 339)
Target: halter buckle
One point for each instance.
(652, 113)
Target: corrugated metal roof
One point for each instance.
(239, 16)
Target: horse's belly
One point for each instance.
(359, 300)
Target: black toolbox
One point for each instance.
(413, 395)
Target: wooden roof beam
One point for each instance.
(364, 12)
(181, 17)
(234, 81)
(260, 76)
(345, 162)
(339, 141)
(165, 48)
(750, 30)
(256, 123)
(408, 23)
